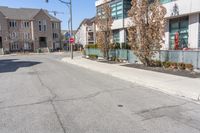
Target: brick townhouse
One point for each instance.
(28, 29)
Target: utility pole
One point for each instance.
(71, 28)
(69, 5)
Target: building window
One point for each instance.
(55, 35)
(127, 7)
(13, 23)
(179, 25)
(117, 10)
(116, 36)
(45, 25)
(27, 46)
(13, 35)
(165, 1)
(99, 11)
(55, 26)
(25, 24)
(26, 36)
(0, 27)
(14, 46)
(40, 25)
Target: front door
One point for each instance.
(1, 43)
(43, 42)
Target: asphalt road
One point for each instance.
(40, 94)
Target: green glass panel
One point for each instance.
(165, 1)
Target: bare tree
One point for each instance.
(147, 30)
(104, 23)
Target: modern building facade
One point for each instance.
(183, 17)
(120, 18)
(86, 32)
(28, 30)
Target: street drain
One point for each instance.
(120, 106)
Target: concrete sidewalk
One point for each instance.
(171, 84)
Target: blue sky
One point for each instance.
(81, 8)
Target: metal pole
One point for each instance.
(71, 28)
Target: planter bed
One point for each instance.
(184, 73)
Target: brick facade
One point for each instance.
(41, 30)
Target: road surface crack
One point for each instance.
(58, 117)
(51, 100)
(90, 95)
(159, 108)
(45, 86)
(24, 105)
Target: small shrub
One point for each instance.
(93, 56)
(166, 64)
(189, 67)
(181, 66)
(158, 63)
(6, 52)
(113, 58)
(173, 65)
(39, 50)
(114, 46)
(91, 46)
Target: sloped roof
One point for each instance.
(88, 21)
(23, 13)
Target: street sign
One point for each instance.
(67, 35)
(71, 40)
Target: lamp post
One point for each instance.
(69, 5)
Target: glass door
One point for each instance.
(179, 25)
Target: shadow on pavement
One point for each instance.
(11, 65)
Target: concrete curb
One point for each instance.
(170, 84)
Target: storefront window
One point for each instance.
(179, 25)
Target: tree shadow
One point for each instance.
(12, 65)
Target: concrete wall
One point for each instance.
(100, 2)
(193, 30)
(120, 23)
(166, 38)
(184, 6)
